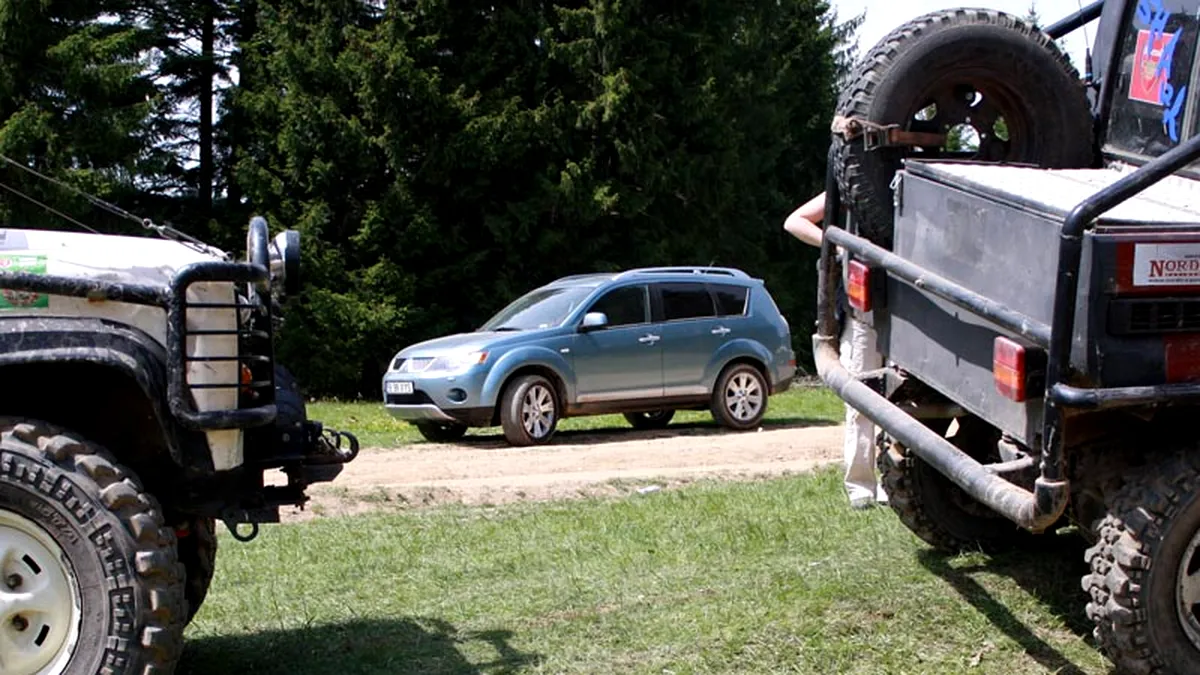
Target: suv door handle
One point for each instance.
(649, 339)
(720, 330)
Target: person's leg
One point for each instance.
(858, 447)
(871, 360)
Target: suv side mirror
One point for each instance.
(593, 321)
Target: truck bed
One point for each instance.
(995, 230)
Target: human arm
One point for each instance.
(802, 223)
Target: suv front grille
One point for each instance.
(414, 365)
(1159, 315)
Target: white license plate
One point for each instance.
(399, 387)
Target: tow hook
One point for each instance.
(330, 450)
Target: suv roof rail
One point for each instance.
(727, 271)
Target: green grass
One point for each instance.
(805, 403)
(770, 577)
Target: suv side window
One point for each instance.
(683, 300)
(624, 306)
(731, 300)
(1153, 74)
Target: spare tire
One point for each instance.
(963, 70)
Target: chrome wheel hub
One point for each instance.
(537, 411)
(743, 397)
(39, 600)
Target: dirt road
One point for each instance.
(485, 470)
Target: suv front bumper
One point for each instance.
(439, 397)
(418, 412)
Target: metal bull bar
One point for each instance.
(1040, 508)
(173, 299)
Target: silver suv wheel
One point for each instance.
(744, 396)
(537, 411)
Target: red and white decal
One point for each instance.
(1147, 79)
(1166, 264)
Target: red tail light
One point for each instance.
(858, 286)
(1008, 368)
(1017, 369)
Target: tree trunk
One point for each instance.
(204, 187)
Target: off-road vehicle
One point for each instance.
(140, 403)
(1036, 296)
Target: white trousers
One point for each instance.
(859, 354)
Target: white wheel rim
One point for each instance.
(39, 600)
(1187, 591)
(537, 411)
(743, 396)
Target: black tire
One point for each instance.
(740, 384)
(658, 419)
(441, 432)
(198, 554)
(1152, 530)
(120, 559)
(1021, 74)
(936, 510)
(520, 429)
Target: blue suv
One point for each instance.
(644, 342)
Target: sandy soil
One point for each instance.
(485, 470)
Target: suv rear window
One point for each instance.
(731, 300)
(682, 300)
(1153, 74)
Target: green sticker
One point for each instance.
(30, 264)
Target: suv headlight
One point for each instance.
(284, 257)
(456, 362)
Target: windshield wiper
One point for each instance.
(505, 329)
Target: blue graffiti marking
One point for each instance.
(1153, 14)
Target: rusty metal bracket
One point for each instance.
(893, 137)
(877, 135)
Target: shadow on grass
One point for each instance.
(1051, 575)
(495, 439)
(366, 646)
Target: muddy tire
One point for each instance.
(975, 67)
(441, 432)
(1144, 583)
(739, 401)
(658, 419)
(198, 555)
(529, 410)
(95, 585)
(936, 510)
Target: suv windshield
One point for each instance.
(542, 308)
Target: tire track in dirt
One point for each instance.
(485, 470)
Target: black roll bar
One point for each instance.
(1073, 21)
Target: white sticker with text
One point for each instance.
(1166, 264)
